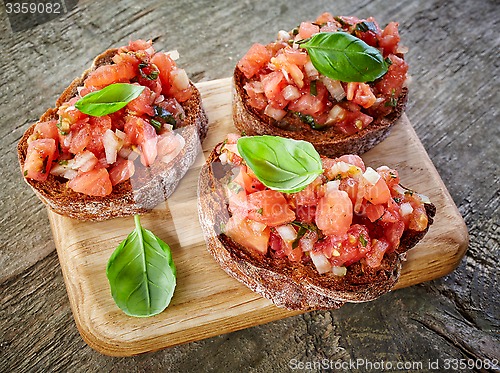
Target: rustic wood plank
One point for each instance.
(453, 106)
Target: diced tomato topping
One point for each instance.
(334, 213)
(122, 170)
(143, 104)
(374, 212)
(281, 78)
(109, 74)
(323, 225)
(307, 29)
(165, 64)
(378, 193)
(376, 254)
(256, 58)
(269, 207)
(143, 127)
(390, 38)
(39, 158)
(47, 130)
(248, 233)
(93, 183)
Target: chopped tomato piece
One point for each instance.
(109, 74)
(378, 193)
(390, 38)
(269, 207)
(142, 104)
(248, 233)
(47, 130)
(256, 58)
(39, 158)
(122, 170)
(376, 254)
(307, 29)
(334, 213)
(374, 212)
(93, 183)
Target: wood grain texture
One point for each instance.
(453, 106)
(201, 306)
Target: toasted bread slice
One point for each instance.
(296, 286)
(328, 142)
(147, 188)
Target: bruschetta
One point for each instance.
(120, 137)
(340, 238)
(338, 82)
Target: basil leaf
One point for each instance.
(342, 56)
(108, 100)
(141, 273)
(279, 163)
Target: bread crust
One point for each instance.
(148, 187)
(329, 142)
(292, 285)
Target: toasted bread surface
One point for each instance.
(296, 286)
(146, 189)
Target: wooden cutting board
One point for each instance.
(207, 301)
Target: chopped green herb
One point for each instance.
(63, 162)
(157, 125)
(25, 172)
(259, 211)
(163, 115)
(397, 200)
(300, 234)
(363, 240)
(295, 31)
(366, 26)
(313, 88)
(338, 177)
(393, 102)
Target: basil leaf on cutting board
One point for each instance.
(281, 164)
(342, 56)
(109, 99)
(141, 273)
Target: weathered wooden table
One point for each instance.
(453, 57)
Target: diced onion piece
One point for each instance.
(336, 114)
(287, 232)
(290, 92)
(332, 185)
(84, 161)
(406, 209)
(320, 262)
(399, 189)
(311, 71)
(179, 79)
(173, 54)
(120, 134)
(423, 198)
(339, 271)
(308, 240)
(371, 176)
(334, 87)
(283, 35)
(128, 153)
(112, 144)
(223, 158)
(276, 114)
(64, 170)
